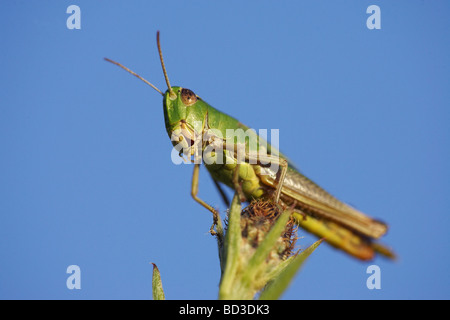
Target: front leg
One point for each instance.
(194, 191)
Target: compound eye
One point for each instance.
(188, 97)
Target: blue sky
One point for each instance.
(85, 171)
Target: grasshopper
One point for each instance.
(187, 117)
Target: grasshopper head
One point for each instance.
(184, 112)
(184, 115)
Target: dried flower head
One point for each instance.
(256, 221)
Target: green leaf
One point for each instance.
(232, 248)
(275, 289)
(219, 234)
(157, 289)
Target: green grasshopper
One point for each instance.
(188, 117)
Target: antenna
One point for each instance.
(134, 74)
(171, 93)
